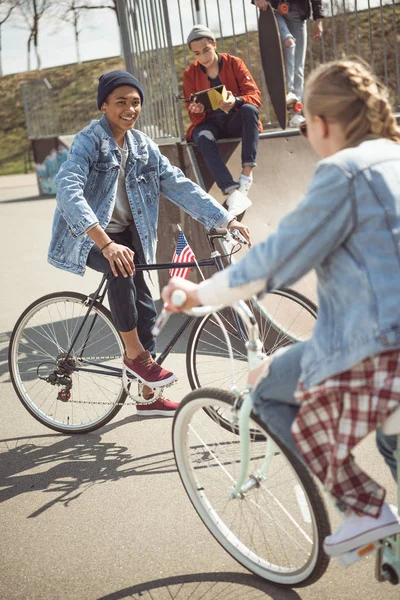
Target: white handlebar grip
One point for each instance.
(178, 298)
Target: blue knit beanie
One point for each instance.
(109, 81)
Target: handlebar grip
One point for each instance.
(178, 298)
(222, 231)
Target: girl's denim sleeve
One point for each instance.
(71, 180)
(190, 197)
(306, 236)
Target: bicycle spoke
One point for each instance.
(78, 399)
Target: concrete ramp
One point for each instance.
(285, 165)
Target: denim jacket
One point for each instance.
(347, 228)
(87, 184)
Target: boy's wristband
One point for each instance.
(105, 245)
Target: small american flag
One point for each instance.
(182, 254)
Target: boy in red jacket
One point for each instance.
(236, 117)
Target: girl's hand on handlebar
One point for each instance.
(120, 258)
(190, 289)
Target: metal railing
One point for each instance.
(366, 28)
(154, 42)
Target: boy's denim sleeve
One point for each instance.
(71, 180)
(306, 236)
(190, 197)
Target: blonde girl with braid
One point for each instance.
(324, 395)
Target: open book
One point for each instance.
(211, 98)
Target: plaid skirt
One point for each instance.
(335, 416)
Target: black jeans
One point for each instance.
(244, 124)
(130, 300)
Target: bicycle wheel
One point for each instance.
(77, 394)
(275, 529)
(283, 317)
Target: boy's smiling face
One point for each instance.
(122, 108)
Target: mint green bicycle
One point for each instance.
(251, 491)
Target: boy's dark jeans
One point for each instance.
(130, 300)
(242, 123)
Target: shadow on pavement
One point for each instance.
(75, 464)
(205, 586)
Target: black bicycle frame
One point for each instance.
(99, 294)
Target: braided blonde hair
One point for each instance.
(346, 92)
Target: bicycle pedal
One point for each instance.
(353, 556)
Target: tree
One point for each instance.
(111, 5)
(32, 12)
(6, 8)
(72, 14)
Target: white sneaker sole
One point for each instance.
(363, 539)
(152, 384)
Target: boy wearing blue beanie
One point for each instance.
(108, 195)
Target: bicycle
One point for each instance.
(255, 496)
(65, 353)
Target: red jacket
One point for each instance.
(234, 75)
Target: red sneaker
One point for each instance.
(145, 368)
(161, 407)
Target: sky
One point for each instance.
(100, 37)
(99, 40)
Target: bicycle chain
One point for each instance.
(127, 384)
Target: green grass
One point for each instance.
(75, 86)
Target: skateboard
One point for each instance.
(272, 62)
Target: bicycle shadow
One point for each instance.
(205, 586)
(82, 461)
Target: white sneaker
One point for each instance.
(237, 203)
(296, 120)
(356, 531)
(245, 184)
(291, 98)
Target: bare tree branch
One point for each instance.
(6, 8)
(32, 12)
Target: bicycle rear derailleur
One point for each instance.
(60, 376)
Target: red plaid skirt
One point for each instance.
(336, 415)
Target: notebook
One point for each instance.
(211, 98)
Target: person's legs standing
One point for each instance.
(288, 49)
(298, 29)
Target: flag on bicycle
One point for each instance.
(183, 254)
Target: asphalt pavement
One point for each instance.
(104, 515)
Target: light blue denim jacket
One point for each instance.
(87, 184)
(347, 228)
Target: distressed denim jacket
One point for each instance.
(86, 189)
(347, 228)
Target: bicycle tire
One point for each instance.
(40, 337)
(280, 324)
(207, 458)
